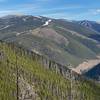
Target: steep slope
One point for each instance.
(23, 76)
(60, 40)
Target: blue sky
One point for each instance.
(67, 9)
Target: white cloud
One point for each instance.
(98, 10)
(10, 12)
(62, 15)
(95, 11)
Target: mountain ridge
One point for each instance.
(59, 40)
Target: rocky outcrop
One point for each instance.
(27, 91)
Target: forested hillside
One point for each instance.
(24, 75)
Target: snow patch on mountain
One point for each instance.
(24, 19)
(17, 34)
(5, 27)
(47, 22)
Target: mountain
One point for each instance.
(90, 24)
(38, 55)
(66, 42)
(25, 75)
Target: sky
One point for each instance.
(63, 9)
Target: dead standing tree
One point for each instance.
(17, 71)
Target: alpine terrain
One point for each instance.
(43, 58)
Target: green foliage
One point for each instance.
(7, 83)
(49, 85)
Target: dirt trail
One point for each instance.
(85, 66)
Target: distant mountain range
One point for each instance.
(66, 42)
(91, 24)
